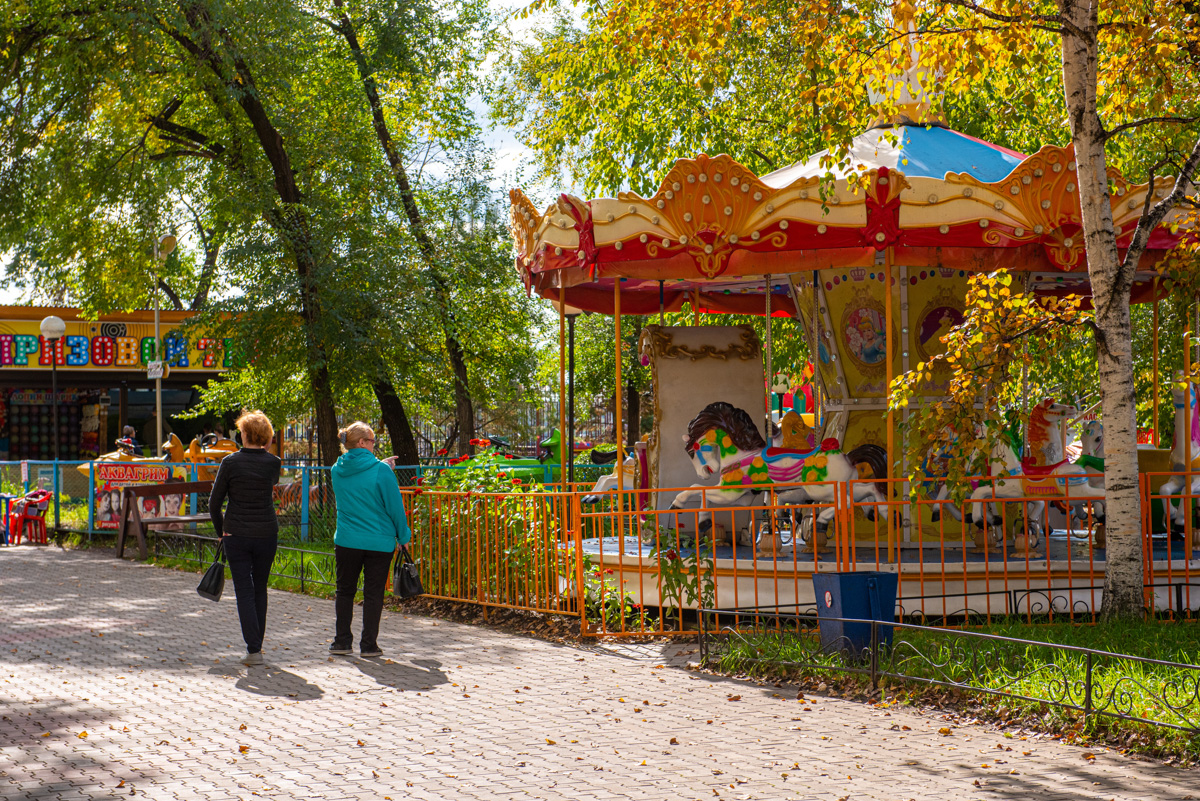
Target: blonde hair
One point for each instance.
(355, 433)
(256, 429)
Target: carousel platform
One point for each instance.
(1059, 546)
(1062, 574)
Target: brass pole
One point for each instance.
(1155, 351)
(563, 445)
(770, 366)
(617, 407)
(891, 422)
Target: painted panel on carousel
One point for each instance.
(936, 300)
(856, 312)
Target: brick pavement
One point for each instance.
(132, 656)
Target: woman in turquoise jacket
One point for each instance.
(371, 525)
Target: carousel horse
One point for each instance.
(1181, 393)
(723, 440)
(1045, 471)
(622, 476)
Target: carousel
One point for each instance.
(869, 263)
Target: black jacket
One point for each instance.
(247, 478)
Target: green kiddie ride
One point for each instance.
(495, 455)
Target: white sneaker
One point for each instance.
(253, 659)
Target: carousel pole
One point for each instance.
(563, 445)
(770, 372)
(1186, 506)
(1155, 369)
(818, 382)
(891, 419)
(617, 397)
(661, 303)
(696, 306)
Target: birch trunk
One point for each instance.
(1111, 279)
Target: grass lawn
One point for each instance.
(1017, 679)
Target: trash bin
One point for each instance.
(866, 595)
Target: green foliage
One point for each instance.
(686, 579)
(118, 129)
(985, 352)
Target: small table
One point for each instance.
(6, 499)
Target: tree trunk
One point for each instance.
(633, 423)
(289, 220)
(1111, 279)
(328, 445)
(464, 408)
(395, 420)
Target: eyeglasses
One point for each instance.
(368, 439)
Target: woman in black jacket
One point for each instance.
(248, 529)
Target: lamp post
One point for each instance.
(53, 329)
(162, 249)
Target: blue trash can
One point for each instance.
(866, 595)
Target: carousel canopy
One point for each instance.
(918, 151)
(923, 196)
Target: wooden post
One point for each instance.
(563, 445)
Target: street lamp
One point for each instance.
(162, 249)
(53, 329)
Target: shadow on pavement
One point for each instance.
(421, 674)
(271, 681)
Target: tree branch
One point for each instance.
(1152, 217)
(165, 287)
(1147, 121)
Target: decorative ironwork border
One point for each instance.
(955, 658)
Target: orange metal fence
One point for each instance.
(628, 571)
(515, 550)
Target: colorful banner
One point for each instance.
(108, 346)
(111, 477)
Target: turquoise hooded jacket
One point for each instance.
(370, 511)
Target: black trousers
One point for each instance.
(250, 560)
(373, 567)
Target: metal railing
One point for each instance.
(1094, 682)
(305, 566)
(631, 571)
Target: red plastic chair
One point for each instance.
(28, 517)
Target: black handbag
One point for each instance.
(406, 580)
(213, 583)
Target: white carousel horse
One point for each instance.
(1181, 393)
(1046, 471)
(622, 476)
(723, 440)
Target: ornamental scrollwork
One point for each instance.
(660, 340)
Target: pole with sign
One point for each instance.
(162, 249)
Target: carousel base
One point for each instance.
(1061, 575)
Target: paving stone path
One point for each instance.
(118, 681)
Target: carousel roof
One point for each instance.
(927, 196)
(917, 151)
